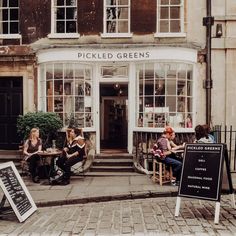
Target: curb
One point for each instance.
(128, 196)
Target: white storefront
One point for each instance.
(160, 84)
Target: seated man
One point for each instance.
(169, 157)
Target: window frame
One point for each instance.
(54, 34)
(106, 34)
(147, 116)
(182, 32)
(11, 35)
(69, 101)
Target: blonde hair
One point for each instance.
(32, 132)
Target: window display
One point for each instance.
(165, 95)
(68, 91)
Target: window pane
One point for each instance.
(5, 28)
(14, 28)
(164, 26)
(181, 88)
(164, 14)
(13, 3)
(5, 3)
(175, 2)
(70, 26)
(181, 104)
(111, 2)
(58, 71)
(5, 14)
(68, 88)
(111, 13)
(60, 27)
(13, 14)
(70, 13)
(174, 13)
(123, 2)
(122, 26)
(123, 13)
(175, 26)
(59, 3)
(60, 13)
(111, 26)
(164, 2)
(71, 2)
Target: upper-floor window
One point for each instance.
(117, 17)
(9, 17)
(64, 17)
(170, 17)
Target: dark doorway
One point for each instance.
(114, 117)
(11, 101)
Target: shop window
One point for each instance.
(68, 92)
(170, 18)
(64, 18)
(164, 95)
(116, 18)
(9, 18)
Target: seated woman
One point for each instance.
(169, 157)
(32, 146)
(73, 152)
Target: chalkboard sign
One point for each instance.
(16, 191)
(202, 171)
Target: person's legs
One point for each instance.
(33, 167)
(67, 167)
(176, 165)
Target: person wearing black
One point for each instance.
(73, 152)
(32, 146)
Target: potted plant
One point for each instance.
(48, 123)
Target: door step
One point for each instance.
(112, 164)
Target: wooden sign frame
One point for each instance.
(202, 174)
(16, 192)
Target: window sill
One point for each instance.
(64, 36)
(170, 35)
(116, 35)
(10, 36)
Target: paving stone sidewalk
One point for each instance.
(150, 216)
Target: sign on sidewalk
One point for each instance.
(202, 174)
(15, 192)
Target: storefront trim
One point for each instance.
(118, 55)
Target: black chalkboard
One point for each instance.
(202, 171)
(16, 191)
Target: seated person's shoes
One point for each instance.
(36, 179)
(65, 182)
(175, 183)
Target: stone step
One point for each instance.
(114, 156)
(111, 169)
(113, 162)
(101, 174)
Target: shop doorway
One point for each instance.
(11, 103)
(114, 116)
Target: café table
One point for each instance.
(47, 157)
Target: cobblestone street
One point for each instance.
(152, 216)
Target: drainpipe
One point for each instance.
(208, 21)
